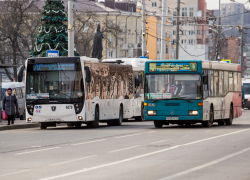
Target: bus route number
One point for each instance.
(69, 107)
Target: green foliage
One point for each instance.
(53, 33)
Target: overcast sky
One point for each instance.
(214, 4)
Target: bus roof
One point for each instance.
(137, 63)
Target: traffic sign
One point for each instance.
(52, 53)
(144, 57)
(226, 60)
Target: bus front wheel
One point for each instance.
(211, 119)
(95, 123)
(158, 124)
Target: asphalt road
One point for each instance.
(135, 150)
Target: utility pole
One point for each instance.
(144, 45)
(163, 28)
(178, 29)
(218, 56)
(242, 40)
(70, 29)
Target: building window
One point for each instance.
(173, 32)
(110, 53)
(85, 28)
(182, 41)
(174, 14)
(185, 41)
(184, 23)
(184, 32)
(166, 49)
(174, 23)
(184, 11)
(191, 12)
(154, 4)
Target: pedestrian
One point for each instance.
(9, 103)
(243, 98)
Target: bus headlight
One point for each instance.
(151, 113)
(80, 117)
(192, 113)
(29, 119)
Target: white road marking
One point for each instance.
(15, 172)
(89, 142)
(205, 165)
(37, 151)
(128, 135)
(73, 160)
(151, 132)
(160, 141)
(124, 149)
(137, 157)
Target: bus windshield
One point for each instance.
(173, 86)
(58, 81)
(246, 88)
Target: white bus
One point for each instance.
(246, 89)
(76, 90)
(136, 103)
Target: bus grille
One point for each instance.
(172, 104)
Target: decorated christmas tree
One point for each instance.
(53, 33)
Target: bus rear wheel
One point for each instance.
(118, 122)
(229, 121)
(43, 125)
(211, 119)
(158, 124)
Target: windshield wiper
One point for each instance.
(158, 100)
(182, 98)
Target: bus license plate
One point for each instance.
(57, 119)
(172, 118)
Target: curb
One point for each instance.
(19, 126)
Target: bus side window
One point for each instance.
(221, 89)
(225, 83)
(216, 83)
(211, 83)
(205, 86)
(231, 81)
(236, 81)
(239, 82)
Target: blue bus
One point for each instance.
(186, 92)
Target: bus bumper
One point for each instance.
(199, 117)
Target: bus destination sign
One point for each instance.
(54, 67)
(172, 67)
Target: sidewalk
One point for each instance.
(18, 124)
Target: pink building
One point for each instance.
(202, 31)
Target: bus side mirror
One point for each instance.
(88, 75)
(205, 79)
(20, 74)
(140, 78)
